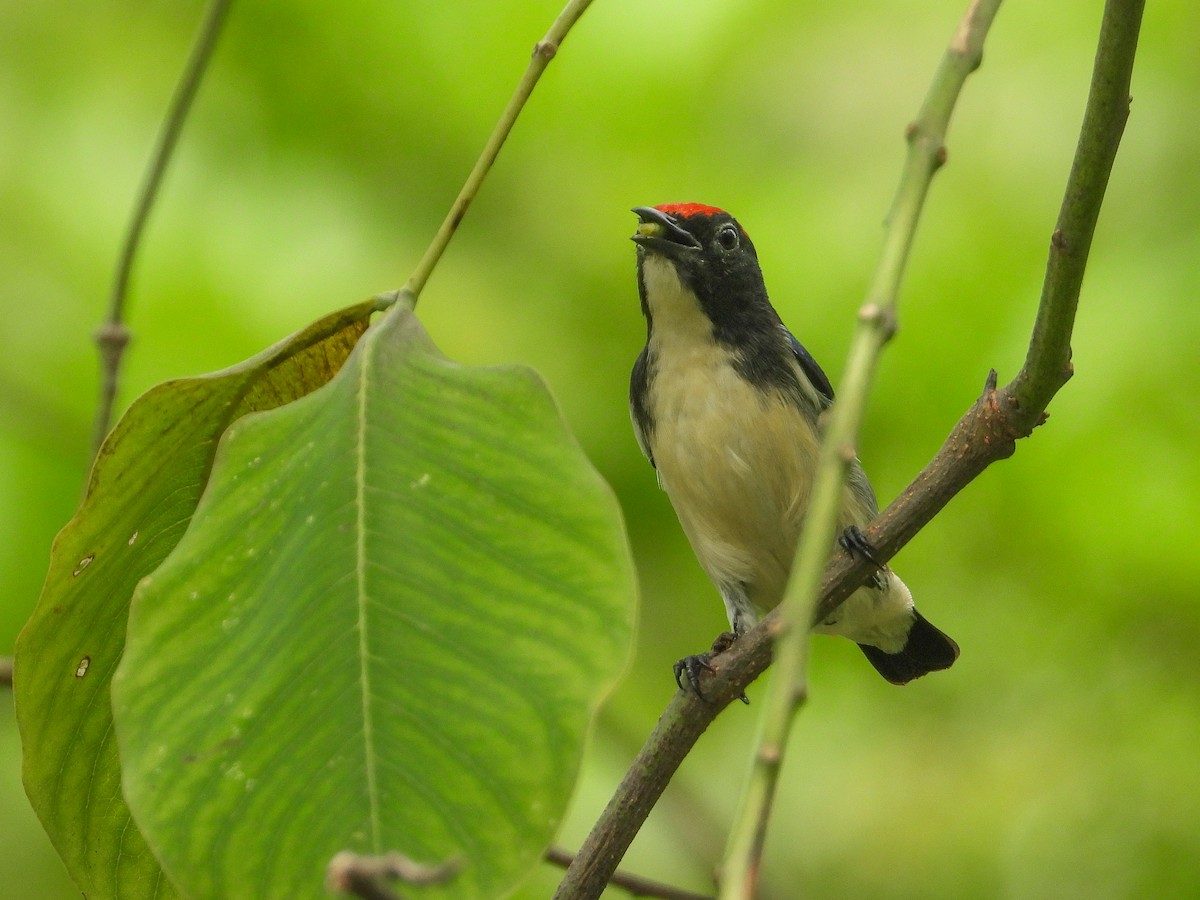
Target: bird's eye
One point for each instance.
(727, 237)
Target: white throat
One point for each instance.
(674, 308)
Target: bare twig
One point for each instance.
(112, 335)
(634, 885)
(986, 433)
(788, 684)
(543, 51)
(364, 876)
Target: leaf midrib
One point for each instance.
(360, 474)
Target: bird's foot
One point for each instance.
(690, 668)
(852, 540)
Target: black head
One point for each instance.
(712, 256)
(696, 237)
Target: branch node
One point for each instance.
(111, 337)
(882, 316)
(961, 44)
(889, 325)
(1058, 241)
(770, 754)
(870, 313)
(545, 49)
(800, 695)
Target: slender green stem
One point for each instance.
(543, 52)
(788, 685)
(112, 336)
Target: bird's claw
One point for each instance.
(690, 668)
(852, 540)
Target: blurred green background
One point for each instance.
(1059, 757)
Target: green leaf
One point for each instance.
(141, 496)
(388, 627)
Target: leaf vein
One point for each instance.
(361, 594)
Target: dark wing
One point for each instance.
(639, 409)
(811, 369)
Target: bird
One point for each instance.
(726, 404)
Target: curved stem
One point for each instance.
(112, 335)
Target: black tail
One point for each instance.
(926, 650)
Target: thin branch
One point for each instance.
(365, 876)
(112, 335)
(987, 432)
(634, 885)
(788, 684)
(543, 51)
(1048, 363)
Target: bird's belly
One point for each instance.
(737, 463)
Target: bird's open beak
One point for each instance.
(658, 231)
